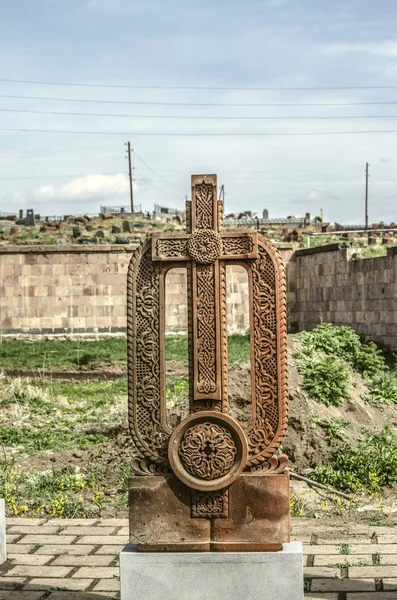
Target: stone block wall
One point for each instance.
(81, 291)
(333, 285)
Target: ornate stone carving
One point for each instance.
(176, 248)
(205, 246)
(204, 196)
(206, 333)
(207, 451)
(237, 245)
(210, 505)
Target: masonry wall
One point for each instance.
(334, 286)
(81, 291)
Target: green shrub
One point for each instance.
(326, 378)
(369, 466)
(382, 388)
(344, 343)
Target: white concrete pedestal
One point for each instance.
(3, 554)
(212, 575)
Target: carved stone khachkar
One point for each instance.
(208, 483)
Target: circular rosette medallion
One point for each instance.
(208, 450)
(205, 246)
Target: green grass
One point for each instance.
(69, 355)
(37, 416)
(61, 355)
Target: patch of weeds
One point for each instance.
(381, 520)
(307, 585)
(367, 467)
(382, 388)
(58, 493)
(333, 429)
(177, 391)
(374, 251)
(124, 478)
(50, 439)
(239, 348)
(344, 549)
(299, 507)
(326, 378)
(342, 342)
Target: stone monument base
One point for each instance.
(3, 554)
(212, 575)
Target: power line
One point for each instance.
(199, 134)
(247, 105)
(201, 117)
(200, 87)
(158, 174)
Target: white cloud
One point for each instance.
(386, 49)
(85, 193)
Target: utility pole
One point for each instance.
(130, 175)
(366, 195)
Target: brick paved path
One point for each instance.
(77, 559)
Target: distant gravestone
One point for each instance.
(99, 234)
(265, 214)
(116, 229)
(30, 220)
(127, 226)
(21, 213)
(3, 554)
(76, 233)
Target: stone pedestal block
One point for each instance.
(3, 554)
(165, 515)
(212, 575)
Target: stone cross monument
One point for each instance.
(208, 484)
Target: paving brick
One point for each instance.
(343, 585)
(321, 596)
(324, 560)
(29, 559)
(93, 572)
(388, 559)
(110, 549)
(36, 530)
(337, 539)
(107, 585)
(357, 549)
(375, 596)
(20, 548)
(126, 531)
(12, 537)
(320, 572)
(114, 522)
(20, 595)
(81, 596)
(389, 584)
(88, 531)
(374, 571)
(47, 539)
(32, 571)
(95, 560)
(43, 583)
(98, 540)
(65, 549)
(74, 522)
(11, 583)
(24, 521)
(387, 538)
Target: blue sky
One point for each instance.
(218, 44)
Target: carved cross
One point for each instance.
(204, 250)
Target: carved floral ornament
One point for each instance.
(205, 246)
(208, 450)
